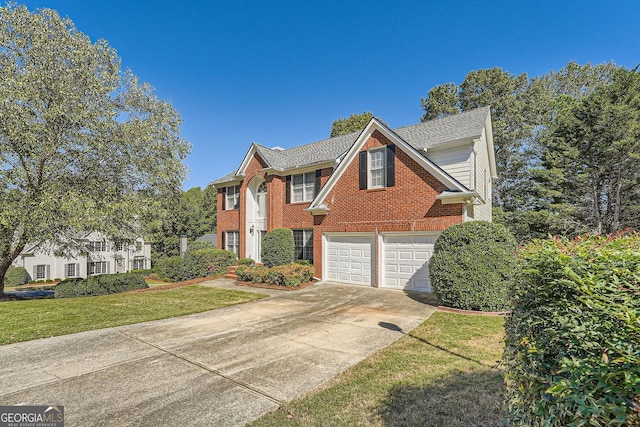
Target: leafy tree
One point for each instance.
(591, 162)
(523, 111)
(83, 145)
(353, 123)
(192, 213)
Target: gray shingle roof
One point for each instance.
(467, 125)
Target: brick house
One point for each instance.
(365, 207)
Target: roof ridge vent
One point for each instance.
(277, 148)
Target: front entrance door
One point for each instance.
(256, 203)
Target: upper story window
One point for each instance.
(303, 187)
(377, 167)
(100, 246)
(232, 198)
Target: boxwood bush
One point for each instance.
(206, 262)
(278, 247)
(572, 354)
(473, 265)
(16, 276)
(99, 285)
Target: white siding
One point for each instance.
(456, 161)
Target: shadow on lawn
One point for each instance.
(458, 399)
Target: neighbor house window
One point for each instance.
(100, 246)
(138, 246)
(232, 241)
(377, 167)
(232, 198)
(138, 263)
(70, 270)
(98, 267)
(120, 246)
(303, 244)
(41, 272)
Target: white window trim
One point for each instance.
(307, 185)
(75, 270)
(383, 168)
(232, 199)
(44, 272)
(235, 248)
(104, 268)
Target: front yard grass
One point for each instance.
(32, 319)
(443, 373)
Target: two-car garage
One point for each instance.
(388, 260)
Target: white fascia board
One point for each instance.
(449, 144)
(318, 210)
(372, 126)
(488, 131)
(245, 162)
(450, 197)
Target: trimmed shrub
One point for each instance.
(278, 247)
(572, 354)
(16, 276)
(99, 285)
(145, 272)
(246, 261)
(169, 268)
(206, 262)
(194, 246)
(291, 275)
(473, 265)
(302, 262)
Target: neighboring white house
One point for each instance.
(104, 257)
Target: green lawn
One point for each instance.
(443, 373)
(28, 320)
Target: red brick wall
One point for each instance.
(227, 220)
(410, 205)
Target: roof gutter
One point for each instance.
(450, 197)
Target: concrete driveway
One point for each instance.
(222, 367)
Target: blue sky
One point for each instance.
(280, 72)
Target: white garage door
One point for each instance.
(406, 262)
(350, 259)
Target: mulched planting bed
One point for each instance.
(176, 285)
(277, 287)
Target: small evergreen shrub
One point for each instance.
(572, 354)
(145, 272)
(246, 261)
(473, 265)
(302, 262)
(99, 285)
(206, 262)
(16, 276)
(278, 247)
(169, 268)
(244, 273)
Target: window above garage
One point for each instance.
(377, 167)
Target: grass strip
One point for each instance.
(32, 319)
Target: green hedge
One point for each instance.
(99, 285)
(206, 262)
(16, 276)
(290, 275)
(169, 268)
(194, 246)
(278, 247)
(572, 354)
(473, 266)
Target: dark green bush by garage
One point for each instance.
(473, 266)
(572, 354)
(99, 285)
(278, 247)
(169, 268)
(16, 276)
(206, 262)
